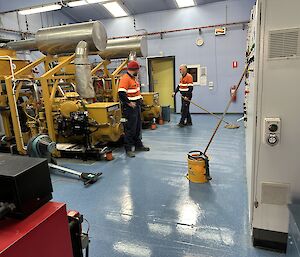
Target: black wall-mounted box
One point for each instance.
(25, 182)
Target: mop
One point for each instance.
(228, 124)
(227, 107)
(199, 164)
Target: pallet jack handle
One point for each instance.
(86, 177)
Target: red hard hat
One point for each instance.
(133, 65)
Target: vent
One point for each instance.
(275, 193)
(284, 43)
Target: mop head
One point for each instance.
(231, 126)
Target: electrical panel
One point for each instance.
(271, 128)
(250, 53)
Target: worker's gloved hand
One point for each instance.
(132, 104)
(186, 98)
(173, 94)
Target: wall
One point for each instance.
(217, 53)
(30, 23)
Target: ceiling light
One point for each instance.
(77, 3)
(45, 8)
(185, 3)
(96, 1)
(115, 9)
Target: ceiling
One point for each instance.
(96, 11)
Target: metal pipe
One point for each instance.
(83, 76)
(64, 39)
(16, 31)
(28, 44)
(121, 48)
(158, 33)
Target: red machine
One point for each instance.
(44, 233)
(30, 225)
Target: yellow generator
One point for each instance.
(81, 124)
(151, 108)
(60, 101)
(108, 117)
(9, 65)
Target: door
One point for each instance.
(161, 78)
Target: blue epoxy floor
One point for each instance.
(146, 207)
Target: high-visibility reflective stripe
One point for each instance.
(130, 91)
(133, 98)
(122, 89)
(186, 85)
(183, 89)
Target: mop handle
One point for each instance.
(200, 107)
(226, 109)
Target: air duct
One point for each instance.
(83, 78)
(121, 48)
(64, 39)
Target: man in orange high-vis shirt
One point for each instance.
(185, 88)
(131, 100)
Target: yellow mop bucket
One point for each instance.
(198, 167)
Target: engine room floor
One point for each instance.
(146, 207)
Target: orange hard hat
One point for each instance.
(133, 65)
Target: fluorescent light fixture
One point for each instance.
(45, 8)
(77, 3)
(185, 3)
(115, 9)
(96, 1)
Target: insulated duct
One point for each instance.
(121, 48)
(28, 44)
(64, 39)
(83, 77)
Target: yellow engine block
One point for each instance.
(152, 108)
(108, 116)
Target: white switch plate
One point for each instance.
(271, 130)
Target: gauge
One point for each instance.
(199, 42)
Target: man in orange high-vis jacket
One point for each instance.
(185, 88)
(131, 100)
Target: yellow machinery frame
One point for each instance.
(14, 85)
(48, 95)
(113, 76)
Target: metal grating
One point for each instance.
(275, 193)
(284, 43)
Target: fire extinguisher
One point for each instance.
(233, 93)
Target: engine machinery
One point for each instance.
(151, 107)
(73, 103)
(106, 82)
(60, 101)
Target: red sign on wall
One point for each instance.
(234, 64)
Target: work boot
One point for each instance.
(130, 154)
(189, 124)
(180, 125)
(142, 148)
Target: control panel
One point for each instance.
(272, 131)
